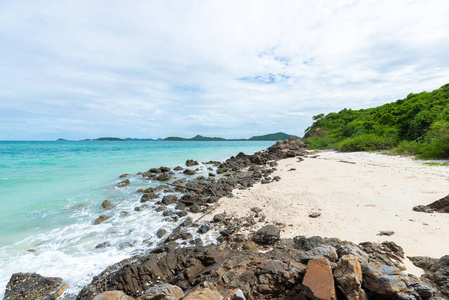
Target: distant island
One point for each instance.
(267, 137)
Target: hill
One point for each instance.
(271, 137)
(196, 138)
(417, 125)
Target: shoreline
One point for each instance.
(357, 195)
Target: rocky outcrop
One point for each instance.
(113, 295)
(318, 280)
(436, 271)
(439, 206)
(23, 286)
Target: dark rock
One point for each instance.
(265, 181)
(107, 205)
(228, 231)
(155, 170)
(170, 199)
(123, 176)
(180, 181)
(203, 228)
(101, 219)
(178, 168)
(161, 187)
(219, 217)
(436, 270)
(386, 232)
(163, 292)
(123, 183)
(267, 235)
(306, 244)
(164, 177)
(185, 235)
(439, 206)
(320, 251)
(387, 253)
(189, 172)
(191, 162)
(148, 196)
(180, 206)
(164, 169)
(160, 208)
(195, 208)
(23, 286)
(103, 245)
(181, 213)
(167, 213)
(256, 209)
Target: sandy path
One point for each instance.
(356, 201)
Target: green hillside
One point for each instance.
(271, 137)
(417, 125)
(196, 138)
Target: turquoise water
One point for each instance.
(51, 192)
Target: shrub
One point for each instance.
(366, 142)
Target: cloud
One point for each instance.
(231, 68)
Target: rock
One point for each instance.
(265, 181)
(170, 199)
(203, 228)
(306, 244)
(161, 232)
(319, 280)
(181, 213)
(178, 168)
(389, 281)
(204, 294)
(33, 286)
(267, 235)
(219, 218)
(148, 196)
(386, 232)
(164, 177)
(113, 295)
(228, 231)
(103, 245)
(101, 219)
(155, 170)
(195, 208)
(436, 270)
(387, 253)
(123, 183)
(163, 292)
(123, 176)
(348, 277)
(314, 214)
(322, 250)
(256, 210)
(191, 162)
(439, 206)
(189, 172)
(235, 294)
(107, 205)
(164, 169)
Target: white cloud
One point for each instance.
(230, 68)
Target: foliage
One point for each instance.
(417, 125)
(271, 137)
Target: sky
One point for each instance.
(79, 69)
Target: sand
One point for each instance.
(358, 195)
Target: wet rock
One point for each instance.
(348, 277)
(189, 172)
(33, 286)
(161, 187)
(164, 177)
(160, 208)
(190, 163)
(167, 213)
(101, 219)
(103, 245)
(219, 218)
(123, 183)
(267, 235)
(140, 208)
(107, 205)
(113, 295)
(155, 170)
(319, 280)
(180, 181)
(185, 235)
(164, 169)
(163, 292)
(148, 196)
(181, 213)
(203, 228)
(123, 176)
(195, 208)
(170, 199)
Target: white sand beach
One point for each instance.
(358, 195)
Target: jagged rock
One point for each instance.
(101, 219)
(322, 250)
(436, 270)
(439, 206)
(203, 294)
(348, 277)
(387, 253)
(107, 205)
(319, 280)
(162, 292)
(267, 235)
(113, 295)
(190, 163)
(306, 244)
(235, 294)
(123, 183)
(170, 199)
(23, 286)
(391, 282)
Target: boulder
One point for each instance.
(219, 217)
(170, 199)
(107, 205)
(123, 183)
(113, 295)
(191, 162)
(101, 219)
(204, 294)
(319, 280)
(164, 177)
(322, 250)
(163, 292)
(189, 172)
(436, 270)
(267, 235)
(348, 277)
(148, 196)
(33, 286)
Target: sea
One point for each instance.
(51, 193)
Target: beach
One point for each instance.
(356, 195)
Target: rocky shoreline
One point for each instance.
(246, 264)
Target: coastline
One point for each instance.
(357, 195)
